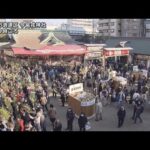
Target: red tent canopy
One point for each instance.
(52, 50)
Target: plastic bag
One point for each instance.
(87, 126)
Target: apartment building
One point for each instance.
(109, 27)
(147, 27)
(132, 28)
(86, 24)
(121, 27)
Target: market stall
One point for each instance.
(94, 53)
(81, 101)
(116, 54)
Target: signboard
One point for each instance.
(145, 73)
(94, 48)
(135, 68)
(88, 103)
(76, 88)
(93, 55)
(111, 53)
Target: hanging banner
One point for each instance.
(93, 55)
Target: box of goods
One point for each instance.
(82, 102)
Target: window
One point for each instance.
(105, 24)
(135, 34)
(112, 31)
(112, 23)
(106, 31)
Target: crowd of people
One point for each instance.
(26, 88)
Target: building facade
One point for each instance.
(109, 27)
(147, 27)
(86, 24)
(121, 27)
(132, 28)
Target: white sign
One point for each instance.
(145, 72)
(93, 55)
(76, 88)
(88, 103)
(135, 68)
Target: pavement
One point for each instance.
(109, 122)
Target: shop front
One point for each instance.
(94, 54)
(118, 55)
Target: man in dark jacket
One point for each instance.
(57, 126)
(63, 98)
(139, 111)
(70, 117)
(121, 115)
(135, 108)
(82, 121)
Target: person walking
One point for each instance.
(52, 114)
(63, 98)
(139, 111)
(70, 117)
(98, 110)
(121, 116)
(82, 121)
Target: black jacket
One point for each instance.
(121, 113)
(58, 127)
(70, 115)
(82, 121)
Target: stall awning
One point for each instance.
(53, 50)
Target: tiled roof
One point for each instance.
(139, 45)
(29, 39)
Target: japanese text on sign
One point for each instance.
(12, 27)
(76, 88)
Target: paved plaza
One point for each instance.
(109, 122)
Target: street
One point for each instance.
(109, 122)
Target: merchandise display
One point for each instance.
(82, 102)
